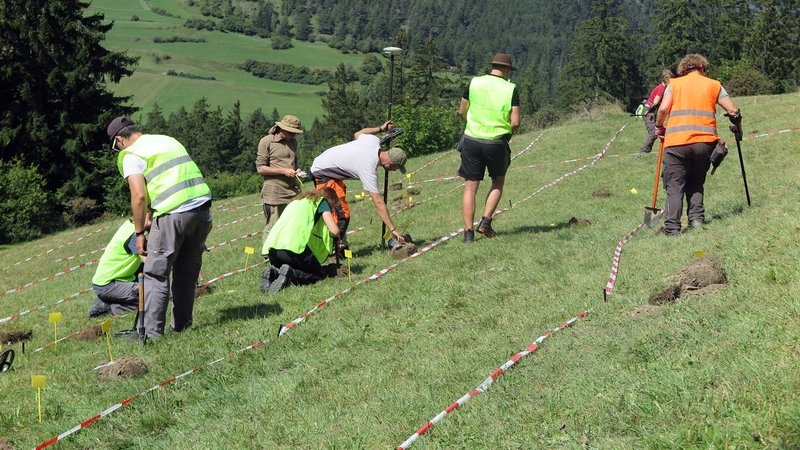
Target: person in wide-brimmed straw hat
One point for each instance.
(276, 162)
(490, 106)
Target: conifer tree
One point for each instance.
(773, 45)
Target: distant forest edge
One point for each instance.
(56, 168)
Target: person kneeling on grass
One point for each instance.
(114, 283)
(300, 241)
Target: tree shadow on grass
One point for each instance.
(247, 312)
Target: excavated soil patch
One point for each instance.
(4, 445)
(701, 273)
(122, 368)
(667, 296)
(203, 289)
(342, 271)
(395, 186)
(575, 222)
(12, 337)
(90, 332)
(413, 191)
(403, 251)
(602, 193)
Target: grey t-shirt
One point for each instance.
(354, 160)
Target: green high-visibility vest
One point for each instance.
(489, 113)
(295, 229)
(171, 175)
(116, 264)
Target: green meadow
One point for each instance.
(718, 370)
(218, 57)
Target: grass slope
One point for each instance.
(217, 57)
(365, 372)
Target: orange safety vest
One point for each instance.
(692, 117)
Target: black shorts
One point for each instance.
(479, 154)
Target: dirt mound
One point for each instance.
(702, 272)
(14, 336)
(89, 333)
(413, 191)
(342, 271)
(403, 251)
(575, 222)
(395, 186)
(666, 296)
(602, 193)
(4, 445)
(122, 368)
(203, 289)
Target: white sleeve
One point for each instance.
(132, 164)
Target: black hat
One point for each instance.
(116, 125)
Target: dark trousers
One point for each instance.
(650, 125)
(684, 173)
(307, 270)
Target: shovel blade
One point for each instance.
(652, 216)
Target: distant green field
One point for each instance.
(217, 57)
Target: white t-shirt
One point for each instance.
(354, 160)
(132, 165)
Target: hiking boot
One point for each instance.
(697, 224)
(285, 275)
(99, 308)
(642, 152)
(485, 228)
(268, 275)
(469, 236)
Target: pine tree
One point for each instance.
(264, 20)
(302, 25)
(53, 88)
(773, 45)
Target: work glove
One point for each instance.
(736, 124)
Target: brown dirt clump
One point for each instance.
(403, 251)
(700, 273)
(413, 191)
(14, 336)
(122, 368)
(4, 445)
(89, 333)
(602, 193)
(575, 222)
(644, 310)
(342, 271)
(203, 289)
(395, 186)
(666, 296)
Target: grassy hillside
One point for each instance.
(712, 371)
(217, 57)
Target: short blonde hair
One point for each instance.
(666, 75)
(690, 62)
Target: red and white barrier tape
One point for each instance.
(19, 314)
(229, 241)
(82, 255)
(47, 252)
(528, 147)
(772, 133)
(236, 208)
(487, 383)
(447, 153)
(240, 220)
(49, 277)
(612, 277)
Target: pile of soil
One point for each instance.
(122, 368)
(413, 191)
(201, 290)
(14, 336)
(602, 193)
(702, 276)
(89, 333)
(403, 250)
(4, 445)
(575, 222)
(342, 271)
(396, 186)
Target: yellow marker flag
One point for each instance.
(106, 326)
(410, 199)
(698, 254)
(248, 251)
(349, 255)
(408, 175)
(387, 235)
(54, 318)
(634, 191)
(38, 382)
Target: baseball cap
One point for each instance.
(116, 125)
(398, 156)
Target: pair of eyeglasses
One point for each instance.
(114, 143)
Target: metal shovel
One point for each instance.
(652, 215)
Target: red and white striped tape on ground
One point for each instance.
(528, 147)
(487, 383)
(49, 277)
(229, 241)
(447, 153)
(82, 255)
(612, 278)
(283, 330)
(19, 314)
(771, 133)
(240, 220)
(47, 252)
(236, 208)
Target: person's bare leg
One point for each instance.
(493, 197)
(468, 202)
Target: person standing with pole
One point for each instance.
(690, 137)
(388, 51)
(490, 106)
